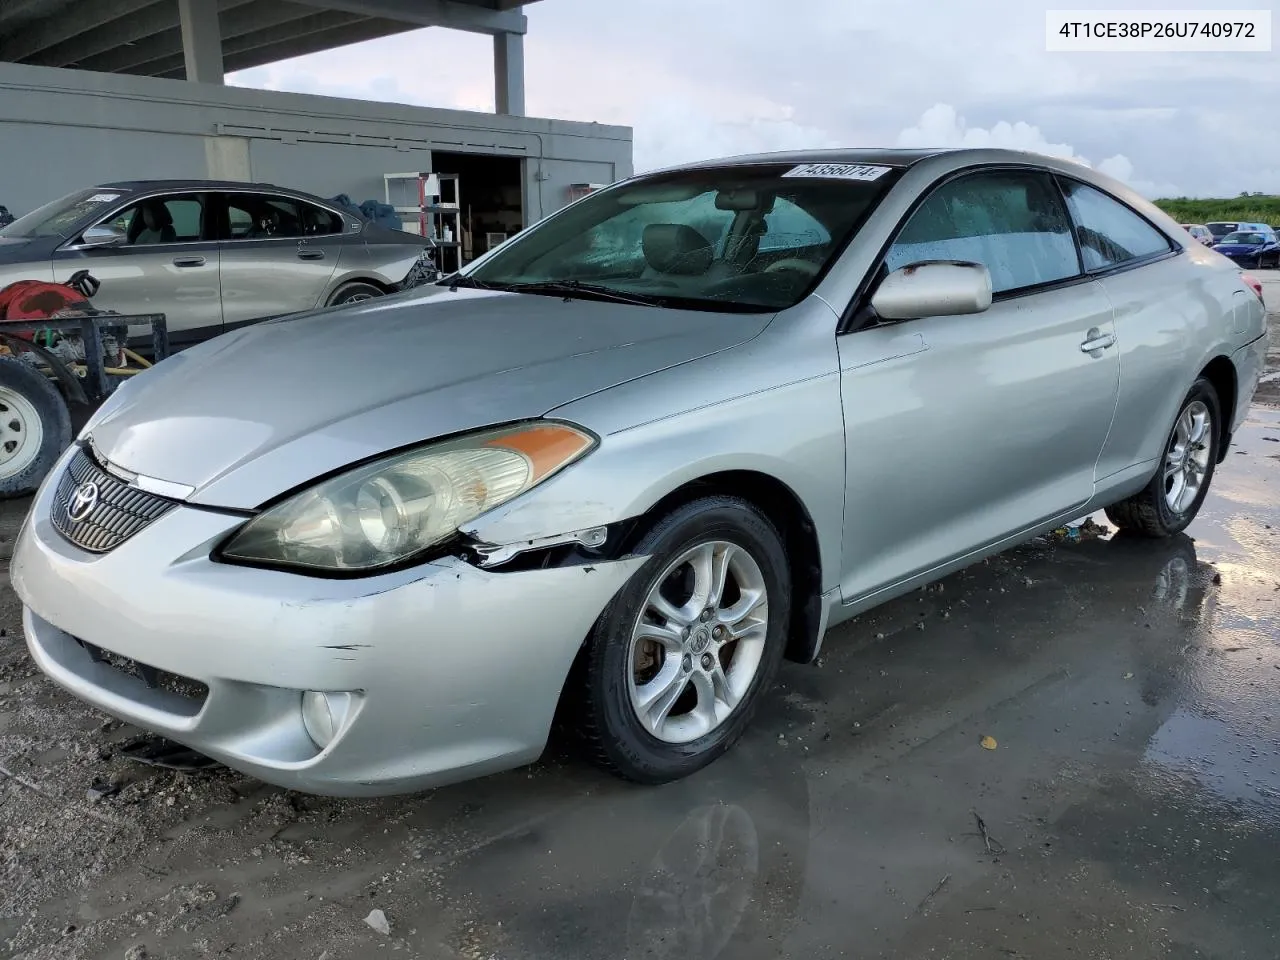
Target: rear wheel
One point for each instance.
(354, 293)
(1172, 499)
(678, 661)
(35, 427)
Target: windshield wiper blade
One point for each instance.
(571, 287)
(457, 280)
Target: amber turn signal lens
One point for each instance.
(548, 446)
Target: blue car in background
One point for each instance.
(1251, 248)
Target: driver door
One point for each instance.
(170, 267)
(962, 431)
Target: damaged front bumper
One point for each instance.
(453, 671)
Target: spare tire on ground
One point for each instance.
(35, 427)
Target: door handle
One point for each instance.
(310, 254)
(188, 261)
(1095, 339)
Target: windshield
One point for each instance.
(1221, 229)
(59, 218)
(1249, 239)
(744, 239)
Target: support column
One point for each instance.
(508, 73)
(201, 40)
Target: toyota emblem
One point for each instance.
(82, 501)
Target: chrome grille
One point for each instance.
(120, 511)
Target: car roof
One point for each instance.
(148, 186)
(895, 157)
(939, 160)
(887, 158)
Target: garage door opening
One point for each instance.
(492, 193)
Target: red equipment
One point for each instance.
(42, 300)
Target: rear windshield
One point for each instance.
(744, 239)
(1221, 229)
(61, 217)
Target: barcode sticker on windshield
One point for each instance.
(838, 171)
(104, 197)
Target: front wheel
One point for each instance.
(677, 663)
(1172, 499)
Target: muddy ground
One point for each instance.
(1130, 808)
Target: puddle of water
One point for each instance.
(1233, 765)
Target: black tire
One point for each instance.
(1148, 512)
(47, 405)
(355, 292)
(611, 733)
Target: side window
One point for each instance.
(790, 228)
(319, 222)
(1110, 233)
(252, 216)
(286, 217)
(177, 219)
(1012, 222)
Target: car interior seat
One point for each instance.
(153, 224)
(676, 249)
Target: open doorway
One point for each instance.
(492, 194)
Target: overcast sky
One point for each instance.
(705, 78)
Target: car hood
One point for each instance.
(22, 249)
(1234, 249)
(257, 412)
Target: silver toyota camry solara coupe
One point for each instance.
(622, 466)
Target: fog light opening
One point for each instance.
(324, 714)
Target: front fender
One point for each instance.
(793, 434)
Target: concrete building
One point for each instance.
(99, 90)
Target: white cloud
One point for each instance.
(942, 126)
(696, 83)
(679, 132)
(1121, 168)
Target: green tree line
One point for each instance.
(1251, 207)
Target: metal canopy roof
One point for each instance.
(144, 36)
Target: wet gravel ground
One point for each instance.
(1130, 806)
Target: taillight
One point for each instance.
(1253, 283)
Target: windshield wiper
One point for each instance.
(460, 280)
(572, 288)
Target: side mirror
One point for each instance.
(102, 236)
(934, 288)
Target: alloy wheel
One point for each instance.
(698, 642)
(1186, 461)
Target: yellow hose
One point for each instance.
(114, 371)
(140, 361)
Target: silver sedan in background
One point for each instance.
(210, 255)
(628, 462)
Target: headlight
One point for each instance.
(387, 511)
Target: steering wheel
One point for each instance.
(794, 263)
